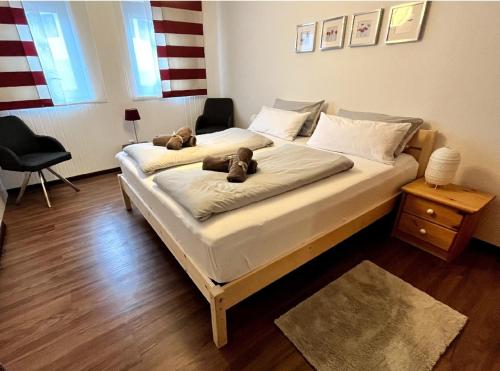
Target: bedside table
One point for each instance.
(439, 220)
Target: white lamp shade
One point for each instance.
(442, 166)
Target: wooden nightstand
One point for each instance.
(439, 220)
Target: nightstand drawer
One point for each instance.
(433, 211)
(426, 231)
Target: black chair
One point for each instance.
(217, 115)
(22, 150)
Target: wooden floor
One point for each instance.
(87, 285)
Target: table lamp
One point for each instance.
(132, 114)
(442, 166)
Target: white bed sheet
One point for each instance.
(231, 244)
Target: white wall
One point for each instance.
(450, 78)
(94, 132)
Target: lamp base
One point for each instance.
(135, 132)
(436, 186)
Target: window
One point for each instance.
(59, 51)
(141, 48)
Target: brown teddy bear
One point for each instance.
(238, 166)
(161, 141)
(181, 138)
(222, 164)
(178, 139)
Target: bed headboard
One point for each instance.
(420, 147)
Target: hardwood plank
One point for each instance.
(88, 285)
(3, 230)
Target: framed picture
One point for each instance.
(365, 28)
(306, 37)
(332, 33)
(405, 22)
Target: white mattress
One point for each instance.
(234, 243)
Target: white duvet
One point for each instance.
(151, 158)
(205, 193)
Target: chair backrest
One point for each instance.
(17, 136)
(218, 111)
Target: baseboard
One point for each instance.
(483, 244)
(3, 231)
(13, 191)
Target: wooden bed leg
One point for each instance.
(219, 325)
(126, 198)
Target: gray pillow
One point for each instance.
(312, 120)
(416, 123)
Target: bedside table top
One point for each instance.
(462, 198)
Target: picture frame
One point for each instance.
(305, 38)
(365, 28)
(405, 22)
(332, 33)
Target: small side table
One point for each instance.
(440, 220)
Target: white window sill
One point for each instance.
(79, 103)
(153, 97)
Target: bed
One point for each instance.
(234, 254)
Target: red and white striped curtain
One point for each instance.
(22, 82)
(178, 27)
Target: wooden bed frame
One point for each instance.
(223, 296)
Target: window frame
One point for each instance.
(82, 48)
(133, 69)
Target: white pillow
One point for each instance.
(280, 123)
(369, 139)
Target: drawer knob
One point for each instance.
(422, 231)
(430, 212)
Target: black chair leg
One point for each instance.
(26, 180)
(64, 180)
(42, 182)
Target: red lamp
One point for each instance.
(132, 114)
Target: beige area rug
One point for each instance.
(369, 319)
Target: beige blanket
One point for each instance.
(204, 193)
(152, 158)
